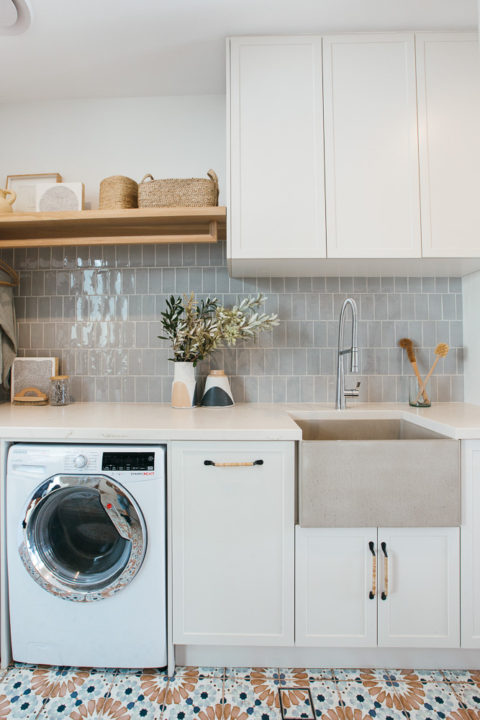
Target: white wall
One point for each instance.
(471, 337)
(87, 140)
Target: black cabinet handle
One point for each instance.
(373, 591)
(384, 595)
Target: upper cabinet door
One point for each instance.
(448, 77)
(371, 146)
(276, 207)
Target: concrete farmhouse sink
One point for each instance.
(376, 473)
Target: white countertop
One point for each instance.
(145, 422)
(158, 422)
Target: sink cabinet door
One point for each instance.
(422, 604)
(334, 577)
(233, 543)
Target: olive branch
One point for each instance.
(197, 328)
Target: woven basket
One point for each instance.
(118, 191)
(194, 192)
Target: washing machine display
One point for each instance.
(83, 537)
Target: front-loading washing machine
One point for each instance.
(86, 550)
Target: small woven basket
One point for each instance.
(118, 191)
(192, 192)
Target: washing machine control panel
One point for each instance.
(128, 461)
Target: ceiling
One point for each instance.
(121, 48)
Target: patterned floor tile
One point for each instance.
(297, 702)
(71, 690)
(310, 673)
(17, 699)
(206, 671)
(425, 675)
(467, 694)
(462, 676)
(243, 695)
(438, 703)
(393, 689)
(347, 674)
(141, 694)
(358, 703)
(244, 673)
(186, 698)
(295, 677)
(325, 696)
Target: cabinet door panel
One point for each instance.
(470, 544)
(334, 576)
(276, 140)
(371, 146)
(422, 608)
(233, 543)
(448, 77)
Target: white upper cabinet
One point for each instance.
(371, 152)
(276, 148)
(448, 86)
(354, 154)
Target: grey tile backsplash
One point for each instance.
(98, 309)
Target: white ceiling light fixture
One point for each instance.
(15, 16)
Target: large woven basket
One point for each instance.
(192, 192)
(118, 191)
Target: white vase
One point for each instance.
(184, 386)
(217, 391)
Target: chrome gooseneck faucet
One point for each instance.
(342, 392)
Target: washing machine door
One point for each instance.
(83, 537)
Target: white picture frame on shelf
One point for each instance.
(25, 186)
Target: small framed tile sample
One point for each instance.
(32, 372)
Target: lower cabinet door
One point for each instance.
(335, 601)
(419, 587)
(233, 542)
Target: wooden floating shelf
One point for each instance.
(113, 227)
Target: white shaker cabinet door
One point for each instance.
(448, 77)
(470, 544)
(371, 146)
(233, 543)
(335, 601)
(420, 580)
(276, 207)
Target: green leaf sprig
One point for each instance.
(196, 329)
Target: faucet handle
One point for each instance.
(352, 392)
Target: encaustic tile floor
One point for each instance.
(218, 693)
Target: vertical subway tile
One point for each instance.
(265, 389)
(101, 307)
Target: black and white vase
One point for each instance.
(217, 391)
(184, 387)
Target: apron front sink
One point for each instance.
(376, 473)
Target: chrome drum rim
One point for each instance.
(124, 514)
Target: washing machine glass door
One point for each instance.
(83, 537)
